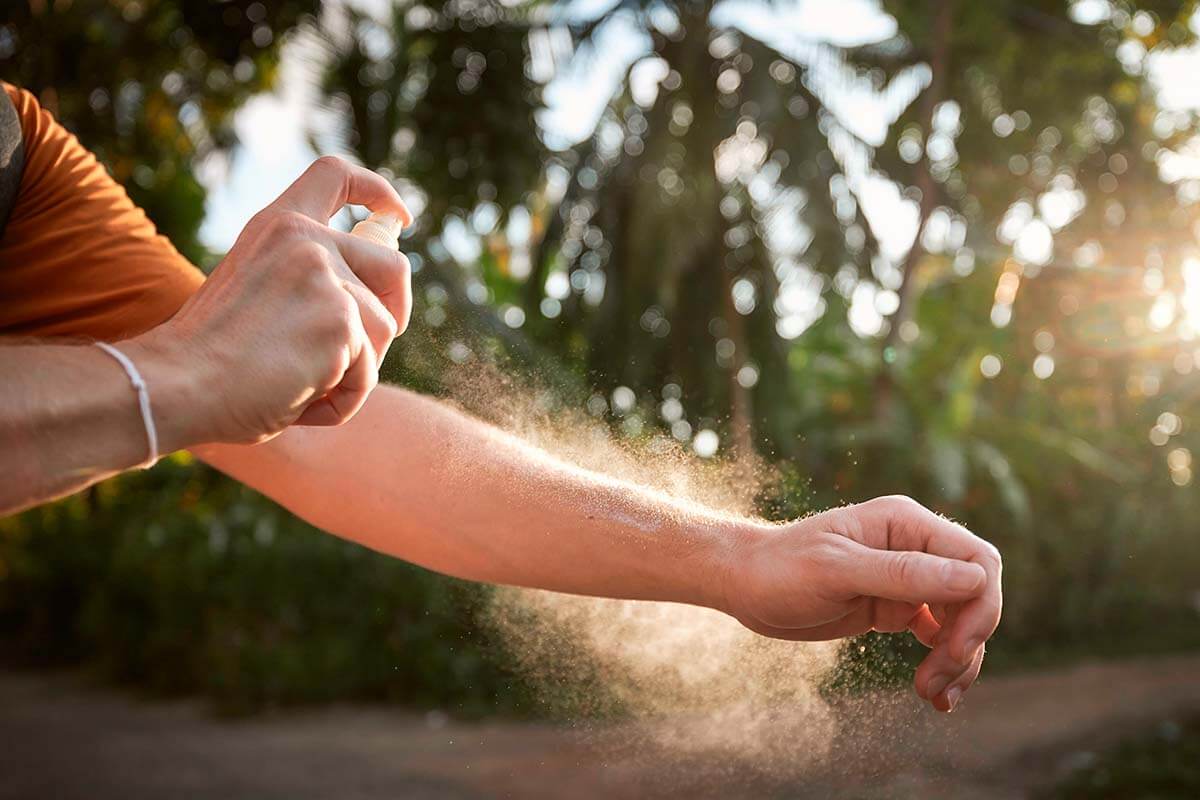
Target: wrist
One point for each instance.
(174, 386)
(731, 558)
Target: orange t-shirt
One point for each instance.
(77, 257)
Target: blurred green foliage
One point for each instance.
(149, 87)
(1164, 765)
(182, 581)
(707, 248)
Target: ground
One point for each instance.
(1014, 734)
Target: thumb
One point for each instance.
(911, 576)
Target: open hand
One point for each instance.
(888, 565)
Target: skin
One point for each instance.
(269, 373)
(289, 329)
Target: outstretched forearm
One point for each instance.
(69, 416)
(414, 478)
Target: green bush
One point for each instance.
(1163, 765)
(180, 580)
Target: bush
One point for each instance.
(1162, 765)
(180, 580)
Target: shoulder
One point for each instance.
(77, 256)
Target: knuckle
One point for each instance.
(900, 503)
(334, 164)
(402, 320)
(335, 323)
(845, 521)
(275, 224)
(401, 271)
(403, 265)
(824, 553)
(897, 509)
(309, 264)
(261, 221)
(343, 317)
(309, 255)
(903, 568)
(392, 326)
(396, 275)
(329, 372)
(288, 223)
(990, 556)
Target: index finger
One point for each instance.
(331, 182)
(385, 271)
(911, 526)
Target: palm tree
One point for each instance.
(715, 212)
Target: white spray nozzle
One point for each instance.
(382, 229)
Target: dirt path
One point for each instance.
(59, 739)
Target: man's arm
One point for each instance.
(69, 416)
(412, 477)
(289, 329)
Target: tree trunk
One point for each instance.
(939, 61)
(741, 404)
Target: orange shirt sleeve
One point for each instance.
(77, 257)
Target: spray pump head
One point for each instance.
(382, 229)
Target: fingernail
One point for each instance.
(953, 696)
(935, 685)
(962, 577)
(968, 653)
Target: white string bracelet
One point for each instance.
(143, 394)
